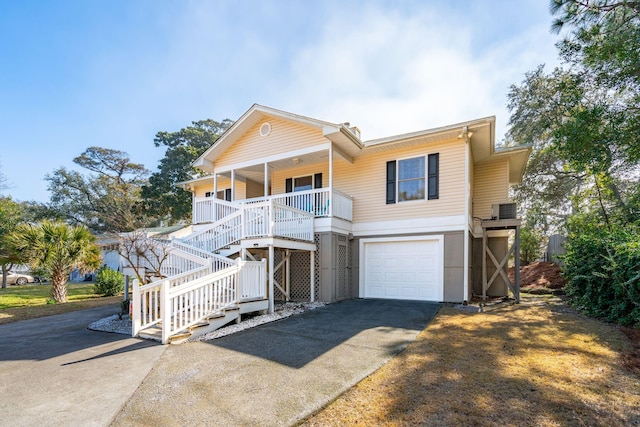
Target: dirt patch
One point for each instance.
(539, 275)
(631, 358)
(511, 364)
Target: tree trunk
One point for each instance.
(59, 289)
(4, 276)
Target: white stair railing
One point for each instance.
(220, 234)
(218, 262)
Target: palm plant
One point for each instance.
(58, 249)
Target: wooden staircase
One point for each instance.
(208, 324)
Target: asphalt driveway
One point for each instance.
(54, 372)
(278, 373)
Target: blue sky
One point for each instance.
(112, 73)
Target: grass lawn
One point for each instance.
(30, 301)
(537, 363)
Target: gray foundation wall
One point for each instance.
(333, 266)
(499, 247)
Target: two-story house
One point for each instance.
(318, 213)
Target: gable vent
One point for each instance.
(265, 129)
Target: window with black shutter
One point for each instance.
(433, 168)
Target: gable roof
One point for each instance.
(481, 133)
(339, 133)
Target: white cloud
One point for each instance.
(393, 73)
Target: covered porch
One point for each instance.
(301, 179)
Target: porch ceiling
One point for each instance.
(256, 172)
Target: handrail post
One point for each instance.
(272, 218)
(136, 321)
(165, 311)
(263, 277)
(239, 280)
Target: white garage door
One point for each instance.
(403, 269)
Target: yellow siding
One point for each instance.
(254, 189)
(223, 184)
(284, 137)
(365, 180)
(491, 185)
(278, 178)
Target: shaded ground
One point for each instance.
(535, 363)
(539, 275)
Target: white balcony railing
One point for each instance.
(321, 202)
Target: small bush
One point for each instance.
(109, 282)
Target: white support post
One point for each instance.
(239, 280)
(266, 179)
(264, 264)
(233, 185)
(194, 216)
(312, 275)
(331, 202)
(287, 279)
(136, 321)
(271, 267)
(215, 197)
(165, 311)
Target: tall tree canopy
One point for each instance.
(11, 215)
(583, 120)
(105, 200)
(182, 147)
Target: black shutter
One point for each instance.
(227, 194)
(433, 176)
(317, 180)
(391, 182)
(289, 185)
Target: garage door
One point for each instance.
(403, 269)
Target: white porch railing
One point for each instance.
(209, 209)
(321, 202)
(178, 307)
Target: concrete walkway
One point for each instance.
(55, 372)
(275, 374)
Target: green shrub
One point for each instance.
(108, 282)
(602, 268)
(530, 245)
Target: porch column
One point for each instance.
(215, 196)
(233, 185)
(312, 275)
(194, 209)
(271, 267)
(331, 202)
(266, 179)
(287, 272)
